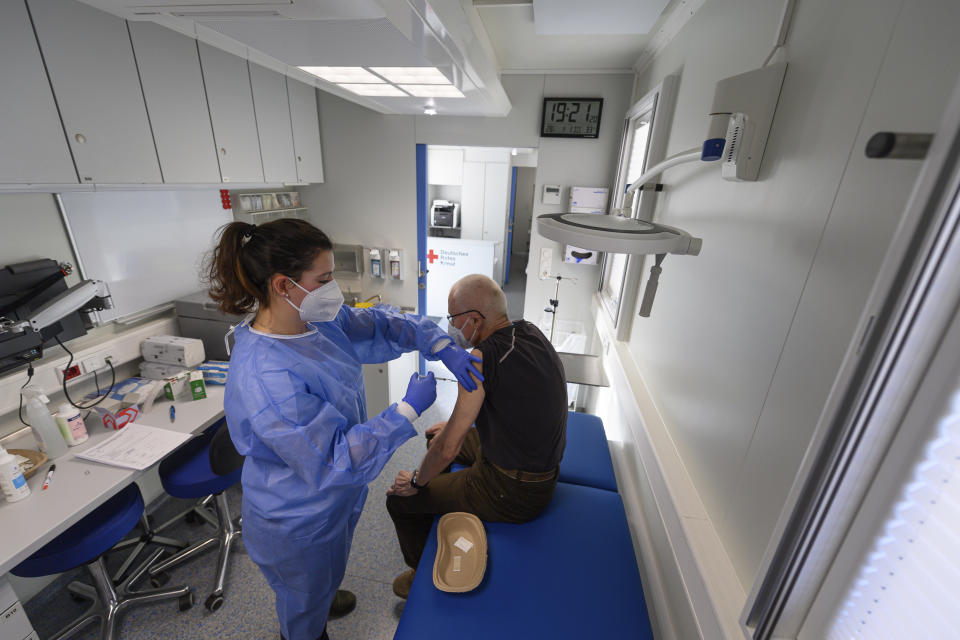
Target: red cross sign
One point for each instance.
(431, 256)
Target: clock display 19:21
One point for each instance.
(571, 117)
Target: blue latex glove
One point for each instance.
(460, 364)
(421, 392)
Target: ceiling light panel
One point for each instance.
(350, 75)
(412, 75)
(432, 90)
(387, 90)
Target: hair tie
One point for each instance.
(249, 231)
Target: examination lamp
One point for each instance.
(740, 119)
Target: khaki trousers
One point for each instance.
(480, 489)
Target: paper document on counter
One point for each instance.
(137, 446)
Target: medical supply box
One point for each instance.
(14, 624)
(186, 352)
(200, 318)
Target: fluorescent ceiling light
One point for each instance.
(373, 90)
(432, 90)
(430, 111)
(354, 75)
(412, 75)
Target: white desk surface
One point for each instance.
(79, 486)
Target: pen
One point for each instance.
(173, 413)
(46, 483)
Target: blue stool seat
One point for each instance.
(88, 538)
(571, 573)
(187, 473)
(586, 460)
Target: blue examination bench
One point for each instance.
(569, 574)
(586, 460)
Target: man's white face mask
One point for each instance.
(458, 338)
(320, 305)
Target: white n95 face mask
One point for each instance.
(320, 305)
(458, 338)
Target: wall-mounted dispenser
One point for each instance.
(395, 263)
(347, 260)
(376, 264)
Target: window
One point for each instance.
(644, 143)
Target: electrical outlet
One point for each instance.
(95, 362)
(69, 374)
(546, 261)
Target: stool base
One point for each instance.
(110, 601)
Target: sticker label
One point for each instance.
(19, 480)
(456, 564)
(463, 544)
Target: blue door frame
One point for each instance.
(421, 163)
(513, 211)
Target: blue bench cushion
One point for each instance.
(586, 460)
(99, 530)
(571, 573)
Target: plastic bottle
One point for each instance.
(71, 424)
(12, 482)
(44, 426)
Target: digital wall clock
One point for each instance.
(571, 117)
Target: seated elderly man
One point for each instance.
(520, 413)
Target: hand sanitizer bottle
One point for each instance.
(44, 426)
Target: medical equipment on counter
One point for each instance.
(376, 264)
(12, 482)
(185, 352)
(44, 426)
(444, 213)
(71, 425)
(36, 306)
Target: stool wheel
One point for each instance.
(186, 601)
(214, 602)
(76, 597)
(160, 579)
(191, 518)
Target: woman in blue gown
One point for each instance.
(296, 408)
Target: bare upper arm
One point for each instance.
(464, 414)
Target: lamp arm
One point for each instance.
(75, 298)
(690, 155)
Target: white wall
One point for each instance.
(745, 339)
(369, 192)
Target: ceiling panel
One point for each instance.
(598, 17)
(518, 46)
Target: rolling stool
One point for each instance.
(85, 543)
(203, 467)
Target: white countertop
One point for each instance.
(79, 486)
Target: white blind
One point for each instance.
(909, 584)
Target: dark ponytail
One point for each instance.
(246, 256)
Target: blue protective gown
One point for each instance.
(296, 408)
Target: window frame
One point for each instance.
(659, 102)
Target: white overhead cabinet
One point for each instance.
(445, 166)
(177, 103)
(34, 149)
(273, 122)
(306, 131)
(95, 81)
(227, 79)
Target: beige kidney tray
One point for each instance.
(461, 553)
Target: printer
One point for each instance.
(444, 213)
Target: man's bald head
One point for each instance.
(480, 293)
